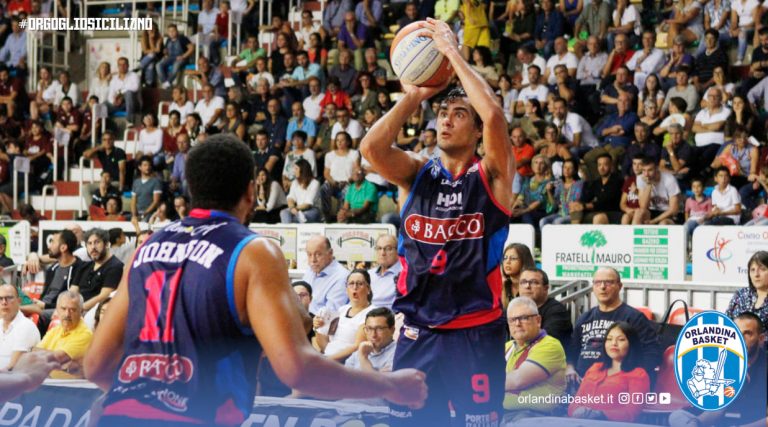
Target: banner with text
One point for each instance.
(637, 252)
(720, 253)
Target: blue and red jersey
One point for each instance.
(186, 356)
(450, 246)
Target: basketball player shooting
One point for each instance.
(182, 338)
(455, 218)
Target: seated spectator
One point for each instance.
(208, 74)
(429, 148)
(609, 97)
(534, 90)
(299, 121)
(508, 96)
(646, 62)
(697, 207)
(112, 160)
(594, 20)
(19, 334)
(587, 346)
(565, 86)
(384, 275)
(180, 103)
(270, 199)
(301, 197)
(562, 193)
(377, 352)
(626, 21)
(68, 118)
(717, 16)
(173, 129)
(600, 197)
(550, 25)
(333, 15)
(677, 58)
(151, 141)
(113, 209)
(709, 130)
(11, 92)
(726, 203)
(14, 50)
(630, 197)
(677, 115)
(677, 156)
(104, 191)
(619, 369)
(343, 73)
(616, 132)
(743, 25)
(522, 150)
(532, 121)
(311, 103)
(411, 132)
(254, 81)
(326, 275)
(335, 95)
(124, 91)
(650, 93)
(482, 62)
(206, 35)
(147, 190)
(618, 57)
(349, 333)
(210, 109)
(276, 124)
(527, 56)
(361, 200)
(39, 151)
(641, 145)
(233, 120)
(517, 257)
(70, 339)
(532, 204)
(151, 49)
(476, 29)
(659, 196)
(99, 85)
(299, 151)
(40, 106)
(98, 278)
(121, 249)
(574, 128)
(748, 405)
(535, 363)
(708, 61)
(178, 49)
(555, 317)
(589, 74)
(347, 125)
(267, 157)
(686, 22)
(753, 297)
(740, 158)
(60, 89)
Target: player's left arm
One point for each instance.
(106, 350)
(498, 162)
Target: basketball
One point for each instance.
(415, 59)
(729, 391)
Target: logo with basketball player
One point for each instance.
(719, 254)
(710, 361)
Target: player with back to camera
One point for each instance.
(455, 222)
(177, 345)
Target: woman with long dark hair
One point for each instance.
(270, 199)
(517, 257)
(301, 197)
(753, 298)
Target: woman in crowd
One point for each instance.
(719, 82)
(651, 92)
(508, 95)
(99, 86)
(39, 105)
(301, 198)
(316, 52)
(562, 193)
(151, 52)
(555, 148)
(517, 257)
(114, 208)
(151, 141)
(349, 331)
(741, 116)
(531, 205)
(686, 21)
(193, 126)
(367, 96)
(754, 297)
(616, 371)
(482, 62)
(270, 199)
(233, 121)
(410, 133)
(298, 151)
(740, 157)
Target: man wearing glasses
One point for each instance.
(555, 318)
(589, 332)
(384, 275)
(535, 363)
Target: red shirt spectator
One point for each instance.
(597, 382)
(17, 6)
(339, 97)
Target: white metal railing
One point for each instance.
(81, 182)
(61, 139)
(135, 140)
(47, 188)
(20, 165)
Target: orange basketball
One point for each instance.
(415, 59)
(729, 391)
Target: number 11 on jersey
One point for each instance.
(159, 287)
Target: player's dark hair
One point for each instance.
(632, 359)
(382, 312)
(456, 94)
(219, 172)
(68, 238)
(759, 257)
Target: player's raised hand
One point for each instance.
(408, 388)
(442, 34)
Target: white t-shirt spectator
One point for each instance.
(312, 108)
(150, 143)
(630, 15)
(704, 117)
(253, 80)
(575, 124)
(99, 88)
(539, 93)
(129, 83)
(671, 119)
(346, 331)
(303, 196)
(207, 19)
(55, 93)
(206, 110)
(354, 129)
(569, 60)
(727, 200)
(745, 10)
(538, 61)
(184, 110)
(662, 191)
(22, 335)
(304, 33)
(341, 167)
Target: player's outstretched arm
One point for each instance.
(498, 161)
(265, 300)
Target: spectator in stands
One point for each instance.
(18, 334)
(686, 22)
(759, 67)
(616, 132)
(561, 193)
(709, 130)
(625, 20)
(10, 91)
(181, 206)
(532, 204)
(740, 157)
(650, 93)
(120, 248)
(589, 72)
(339, 164)
(206, 34)
(113, 209)
(522, 150)
(600, 197)
(267, 157)
(534, 90)
(70, 339)
(299, 121)
(39, 151)
(367, 95)
(609, 98)
(112, 161)
(38, 105)
(5, 261)
(550, 25)
(349, 333)
(642, 145)
(333, 15)
(517, 257)
(589, 332)
(193, 126)
(14, 51)
(180, 103)
(304, 294)
(99, 85)
(594, 20)
(68, 119)
(678, 58)
(311, 103)
(60, 89)
(233, 120)
(630, 197)
(377, 352)
(151, 141)
(659, 196)
(677, 156)
(210, 108)
(647, 61)
(726, 203)
(208, 74)
(749, 403)
(410, 14)
(344, 76)
(299, 151)
(307, 27)
(619, 368)
(147, 190)
(527, 56)
(101, 310)
(270, 199)
(246, 60)
(753, 297)
(151, 51)
(361, 200)
(316, 53)
(104, 190)
(743, 114)
(344, 123)
(326, 276)
(743, 25)
(708, 61)
(178, 184)
(717, 16)
(384, 276)
(301, 197)
(565, 86)
(697, 207)
(123, 91)
(561, 57)
(535, 363)
(677, 115)
(555, 317)
(276, 125)
(98, 278)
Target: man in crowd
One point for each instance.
(384, 275)
(555, 317)
(327, 276)
(377, 352)
(70, 340)
(124, 91)
(99, 277)
(600, 198)
(18, 334)
(147, 190)
(659, 195)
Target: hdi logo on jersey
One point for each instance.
(710, 361)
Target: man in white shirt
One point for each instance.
(210, 108)
(327, 276)
(180, 103)
(61, 88)
(561, 56)
(528, 55)
(206, 26)
(348, 125)
(123, 91)
(647, 61)
(534, 90)
(574, 128)
(18, 334)
(659, 195)
(726, 202)
(384, 275)
(709, 128)
(311, 104)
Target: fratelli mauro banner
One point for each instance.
(637, 252)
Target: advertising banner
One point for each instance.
(720, 253)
